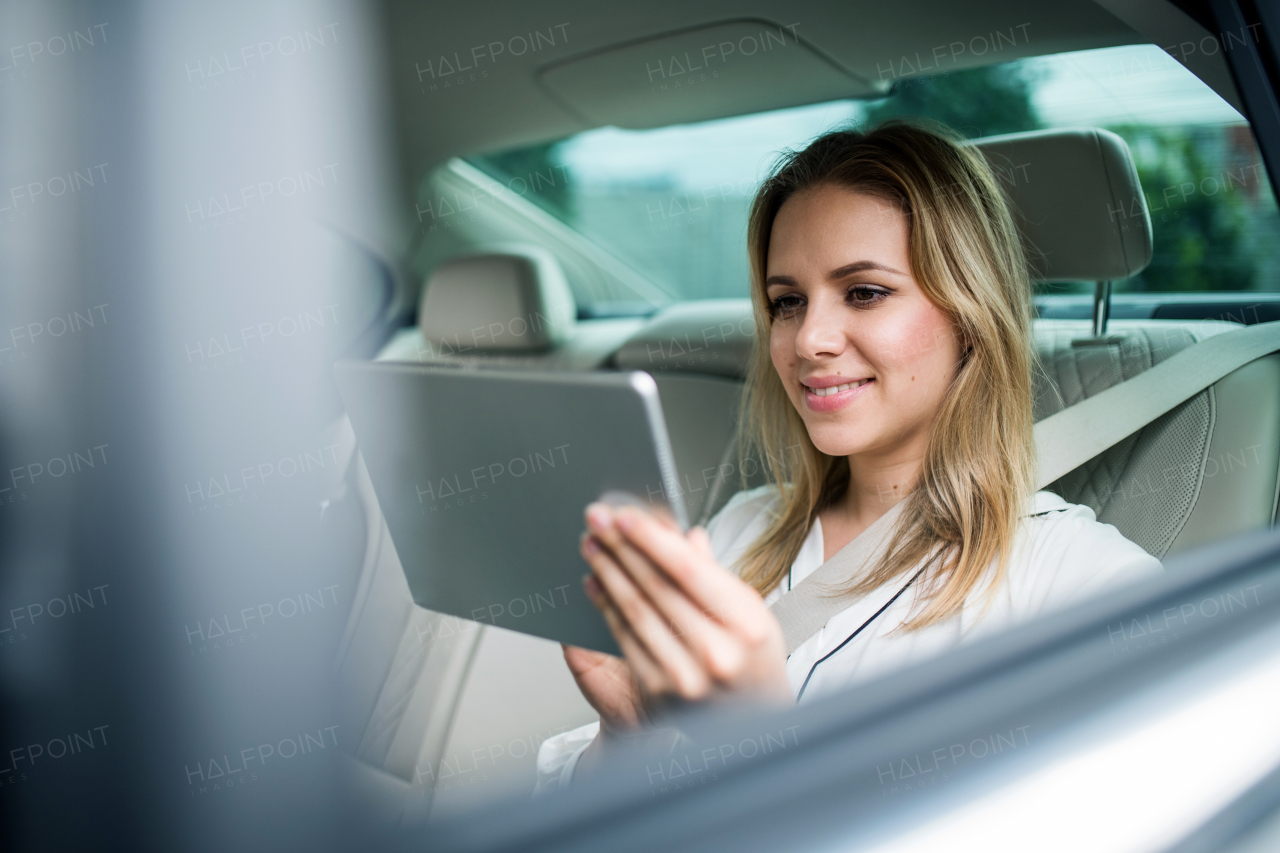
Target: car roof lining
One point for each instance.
(500, 103)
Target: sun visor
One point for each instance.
(725, 69)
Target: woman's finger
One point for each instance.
(645, 622)
(663, 515)
(718, 653)
(647, 670)
(673, 604)
(720, 593)
(701, 540)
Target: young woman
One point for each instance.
(893, 359)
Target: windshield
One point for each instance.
(672, 202)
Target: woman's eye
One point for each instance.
(786, 306)
(861, 295)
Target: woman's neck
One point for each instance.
(878, 480)
(877, 483)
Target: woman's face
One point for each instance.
(865, 357)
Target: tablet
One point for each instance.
(483, 476)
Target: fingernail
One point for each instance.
(599, 517)
(592, 545)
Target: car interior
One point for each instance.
(428, 692)
(564, 186)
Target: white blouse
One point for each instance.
(1062, 555)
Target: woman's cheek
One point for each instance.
(782, 352)
(897, 349)
(917, 345)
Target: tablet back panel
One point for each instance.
(483, 475)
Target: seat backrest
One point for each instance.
(404, 670)
(1179, 481)
(1205, 470)
(397, 661)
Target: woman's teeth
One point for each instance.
(836, 389)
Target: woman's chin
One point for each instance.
(834, 444)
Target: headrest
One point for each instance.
(511, 297)
(1077, 202)
(701, 336)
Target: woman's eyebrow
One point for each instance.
(836, 274)
(861, 266)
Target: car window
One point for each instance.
(673, 202)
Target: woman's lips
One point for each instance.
(832, 402)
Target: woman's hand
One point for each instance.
(609, 686)
(690, 629)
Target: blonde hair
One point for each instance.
(978, 469)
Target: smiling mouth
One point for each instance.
(835, 389)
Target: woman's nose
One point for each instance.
(821, 333)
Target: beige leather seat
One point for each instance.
(433, 696)
(1202, 472)
(451, 712)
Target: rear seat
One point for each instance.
(429, 693)
(1204, 471)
